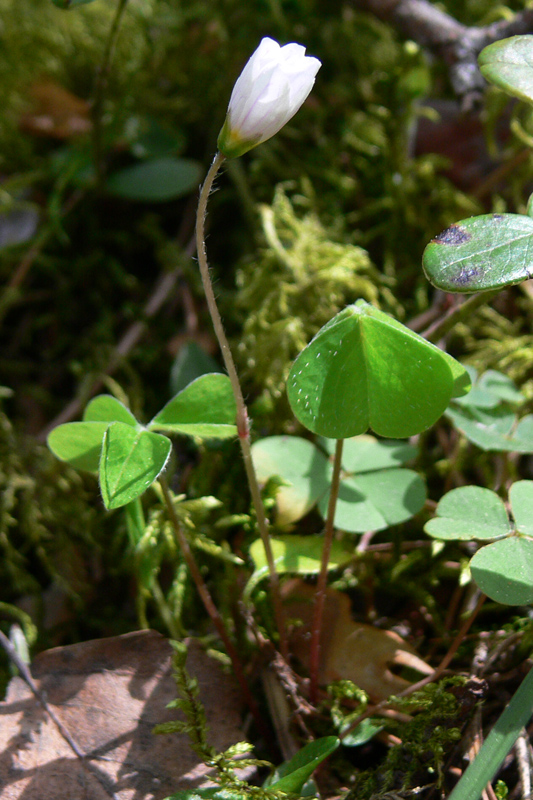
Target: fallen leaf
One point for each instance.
(350, 650)
(109, 694)
(55, 112)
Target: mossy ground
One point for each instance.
(338, 206)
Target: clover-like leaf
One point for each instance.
(205, 408)
(302, 467)
(366, 453)
(300, 555)
(481, 253)
(130, 462)
(366, 370)
(521, 499)
(469, 512)
(504, 570)
(494, 429)
(508, 64)
(376, 500)
(79, 443)
(106, 408)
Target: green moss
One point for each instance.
(292, 287)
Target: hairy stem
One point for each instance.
(102, 77)
(320, 596)
(209, 604)
(243, 424)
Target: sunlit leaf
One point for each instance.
(205, 408)
(366, 370)
(481, 253)
(504, 570)
(130, 462)
(469, 512)
(301, 465)
(300, 555)
(106, 408)
(79, 443)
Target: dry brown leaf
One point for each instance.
(350, 650)
(55, 112)
(109, 694)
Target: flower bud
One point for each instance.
(268, 93)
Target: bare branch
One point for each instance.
(456, 44)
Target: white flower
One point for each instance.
(269, 91)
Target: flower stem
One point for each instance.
(320, 596)
(242, 421)
(210, 606)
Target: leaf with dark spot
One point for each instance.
(481, 253)
(452, 235)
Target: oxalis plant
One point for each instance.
(363, 371)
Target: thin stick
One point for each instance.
(211, 608)
(457, 314)
(243, 424)
(101, 86)
(320, 596)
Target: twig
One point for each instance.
(524, 765)
(457, 314)
(415, 687)
(456, 44)
(163, 288)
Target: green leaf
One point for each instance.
(298, 462)
(481, 253)
(190, 363)
(491, 429)
(70, 3)
(79, 443)
(366, 453)
(205, 408)
(157, 180)
(300, 555)
(376, 500)
(491, 389)
(365, 731)
(106, 408)
(292, 775)
(504, 570)
(130, 462)
(365, 370)
(469, 512)
(521, 499)
(509, 65)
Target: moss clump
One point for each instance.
(298, 281)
